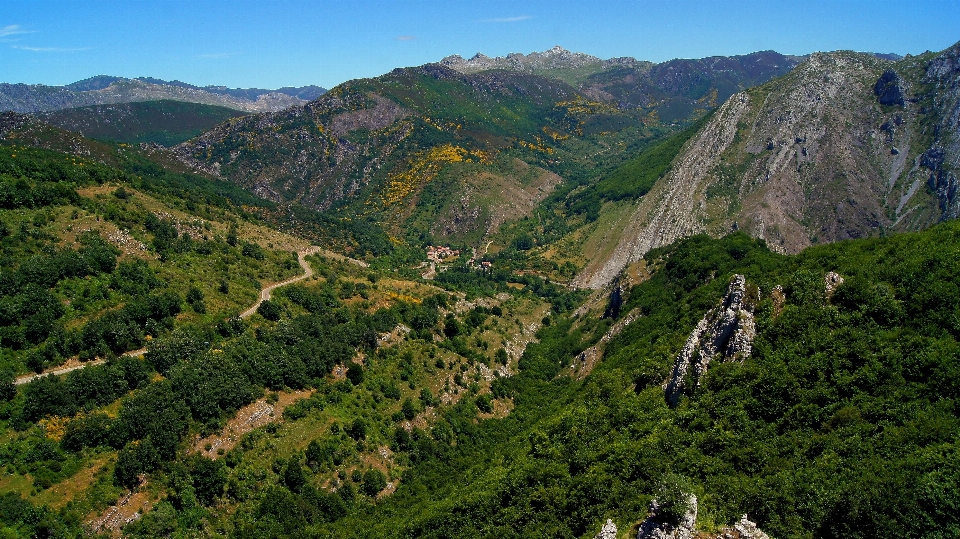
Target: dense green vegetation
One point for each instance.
(846, 400)
(848, 394)
(635, 177)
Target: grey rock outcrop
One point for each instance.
(727, 330)
(748, 529)
(889, 88)
(656, 526)
(608, 531)
(555, 58)
(831, 281)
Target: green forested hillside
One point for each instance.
(162, 122)
(392, 432)
(842, 424)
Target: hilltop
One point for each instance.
(153, 122)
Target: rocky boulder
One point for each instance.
(608, 531)
(748, 530)
(831, 281)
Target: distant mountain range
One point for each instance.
(614, 157)
(105, 89)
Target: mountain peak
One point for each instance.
(556, 57)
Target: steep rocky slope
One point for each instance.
(103, 90)
(847, 145)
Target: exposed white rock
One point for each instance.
(831, 281)
(657, 527)
(749, 530)
(608, 531)
(727, 330)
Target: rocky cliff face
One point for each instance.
(942, 158)
(726, 331)
(846, 146)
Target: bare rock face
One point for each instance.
(608, 531)
(656, 526)
(831, 281)
(727, 330)
(748, 529)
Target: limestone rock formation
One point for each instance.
(608, 531)
(831, 281)
(727, 330)
(657, 526)
(748, 529)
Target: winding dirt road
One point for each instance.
(265, 294)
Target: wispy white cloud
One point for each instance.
(406, 38)
(509, 19)
(12, 30)
(49, 49)
(217, 56)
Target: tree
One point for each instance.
(252, 250)
(195, 300)
(355, 374)
(269, 310)
(135, 459)
(373, 482)
(293, 476)
(484, 404)
(8, 390)
(409, 409)
(209, 478)
(358, 429)
(673, 498)
(451, 328)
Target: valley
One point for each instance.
(541, 295)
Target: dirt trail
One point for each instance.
(265, 294)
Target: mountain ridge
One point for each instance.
(106, 89)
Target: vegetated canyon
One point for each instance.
(542, 295)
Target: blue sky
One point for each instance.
(268, 44)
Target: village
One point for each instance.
(440, 257)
